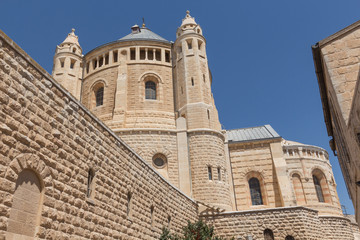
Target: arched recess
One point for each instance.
(298, 189)
(321, 186)
(32, 180)
(97, 88)
(251, 176)
(268, 234)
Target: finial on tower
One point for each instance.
(73, 31)
(187, 13)
(143, 25)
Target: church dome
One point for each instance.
(143, 34)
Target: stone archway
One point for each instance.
(31, 177)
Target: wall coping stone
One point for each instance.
(254, 211)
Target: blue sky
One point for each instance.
(259, 51)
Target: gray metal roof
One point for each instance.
(250, 134)
(144, 34)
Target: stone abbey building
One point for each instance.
(126, 140)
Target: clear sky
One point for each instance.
(259, 52)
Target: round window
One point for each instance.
(159, 161)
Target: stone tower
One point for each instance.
(67, 68)
(194, 104)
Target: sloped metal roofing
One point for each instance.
(253, 133)
(144, 34)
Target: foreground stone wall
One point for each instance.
(299, 222)
(50, 145)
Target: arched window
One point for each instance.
(150, 90)
(25, 206)
(288, 237)
(91, 176)
(268, 234)
(318, 189)
(99, 94)
(255, 191)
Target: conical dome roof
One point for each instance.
(143, 34)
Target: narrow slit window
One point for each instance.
(209, 173)
(208, 113)
(132, 54)
(87, 67)
(158, 55)
(189, 43)
(199, 44)
(192, 81)
(74, 50)
(106, 59)
(142, 54)
(152, 216)
(204, 77)
(169, 221)
(115, 55)
(91, 175)
(94, 63)
(219, 173)
(62, 62)
(72, 63)
(167, 56)
(128, 206)
(101, 61)
(150, 54)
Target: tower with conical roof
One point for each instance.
(194, 104)
(67, 68)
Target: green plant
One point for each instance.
(192, 231)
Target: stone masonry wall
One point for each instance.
(341, 64)
(44, 129)
(206, 149)
(299, 222)
(253, 158)
(149, 143)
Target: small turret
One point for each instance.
(188, 25)
(67, 68)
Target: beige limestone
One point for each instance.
(337, 65)
(47, 131)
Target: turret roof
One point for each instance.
(188, 19)
(143, 34)
(72, 38)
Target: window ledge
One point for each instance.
(90, 201)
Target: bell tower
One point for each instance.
(67, 67)
(201, 155)
(192, 77)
